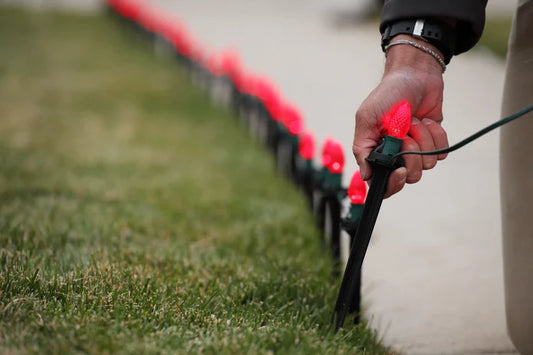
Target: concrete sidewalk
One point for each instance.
(433, 273)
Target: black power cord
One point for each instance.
(473, 136)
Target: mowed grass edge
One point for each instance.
(135, 217)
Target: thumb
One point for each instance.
(361, 154)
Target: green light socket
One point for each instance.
(391, 145)
(355, 213)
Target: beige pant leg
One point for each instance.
(516, 174)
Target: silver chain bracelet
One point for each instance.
(421, 47)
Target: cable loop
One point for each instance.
(473, 136)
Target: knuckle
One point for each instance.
(363, 113)
(411, 145)
(358, 153)
(438, 132)
(356, 150)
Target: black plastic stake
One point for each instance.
(383, 163)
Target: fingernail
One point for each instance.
(403, 176)
(366, 174)
(401, 179)
(427, 121)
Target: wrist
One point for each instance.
(439, 31)
(405, 56)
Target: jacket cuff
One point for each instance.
(470, 16)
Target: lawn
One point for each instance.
(135, 217)
(496, 35)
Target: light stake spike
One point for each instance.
(328, 192)
(290, 126)
(356, 193)
(270, 106)
(396, 125)
(306, 150)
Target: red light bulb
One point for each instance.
(306, 146)
(326, 154)
(149, 18)
(296, 126)
(292, 119)
(197, 54)
(238, 78)
(128, 9)
(269, 95)
(397, 121)
(164, 24)
(357, 189)
(264, 89)
(274, 107)
(230, 61)
(249, 84)
(337, 158)
(214, 64)
(177, 34)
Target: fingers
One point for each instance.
(360, 154)
(397, 181)
(440, 138)
(411, 173)
(413, 163)
(367, 134)
(424, 93)
(423, 137)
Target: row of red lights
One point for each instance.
(228, 63)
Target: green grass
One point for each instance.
(137, 218)
(496, 35)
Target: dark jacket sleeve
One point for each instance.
(470, 16)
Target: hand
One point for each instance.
(415, 76)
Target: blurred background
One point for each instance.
(434, 266)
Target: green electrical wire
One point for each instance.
(473, 136)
